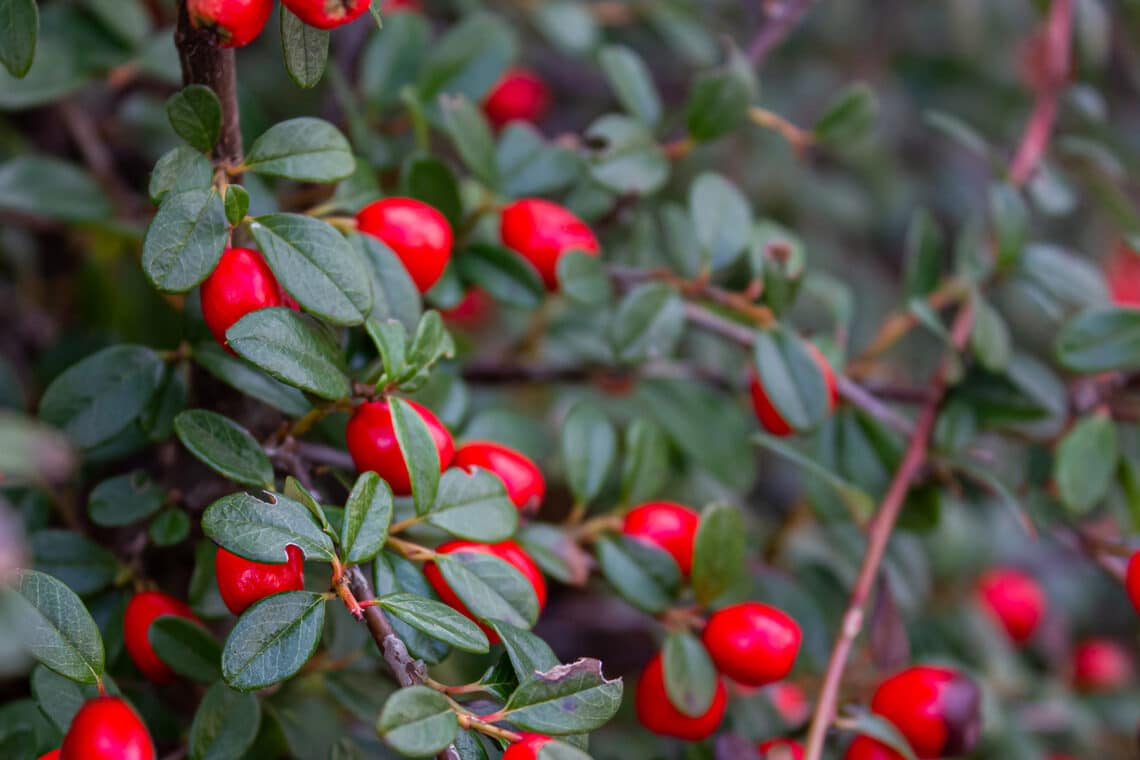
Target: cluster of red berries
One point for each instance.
(236, 23)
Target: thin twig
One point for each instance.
(96, 156)
(408, 671)
(1051, 78)
(783, 17)
(878, 536)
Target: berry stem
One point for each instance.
(800, 139)
(409, 550)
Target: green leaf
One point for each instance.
(1011, 221)
(124, 499)
(527, 652)
(391, 341)
(224, 446)
(430, 180)
(436, 620)
(718, 552)
(260, 530)
(394, 294)
(1100, 340)
(582, 278)
(188, 648)
(625, 158)
(504, 274)
(431, 342)
(722, 219)
(645, 466)
(303, 149)
(225, 724)
(169, 527)
(690, 678)
(179, 171)
(469, 59)
(99, 397)
(632, 83)
(420, 453)
(491, 588)
(568, 25)
(855, 498)
(393, 574)
(643, 575)
(236, 203)
(718, 104)
(1085, 463)
(474, 506)
(925, 246)
(566, 699)
(393, 59)
(281, 342)
(316, 265)
(527, 164)
(791, 378)
(45, 187)
(418, 722)
(648, 323)
(850, 117)
(55, 627)
(249, 380)
(85, 566)
(471, 134)
(589, 447)
(989, 338)
(880, 729)
(19, 24)
(367, 514)
(59, 698)
(196, 116)
(185, 240)
(273, 639)
(304, 48)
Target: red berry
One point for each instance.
(766, 411)
(417, 233)
(522, 478)
(752, 643)
(53, 755)
(141, 611)
(235, 22)
(472, 311)
(658, 714)
(780, 749)
(373, 445)
(399, 6)
(327, 14)
(1101, 665)
(541, 232)
(668, 526)
(519, 95)
(243, 582)
(242, 282)
(1015, 600)
(1122, 273)
(527, 747)
(1132, 580)
(936, 709)
(866, 748)
(107, 728)
(790, 702)
(508, 551)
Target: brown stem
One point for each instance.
(408, 671)
(878, 536)
(203, 62)
(1057, 44)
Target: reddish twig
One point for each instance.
(1050, 75)
(879, 533)
(783, 17)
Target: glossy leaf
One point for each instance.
(436, 620)
(224, 446)
(690, 678)
(473, 506)
(420, 453)
(718, 551)
(303, 149)
(273, 639)
(566, 699)
(260, 530)
(56, 628)
(490, 587)
(196, 116)
(282, 343)
(589, 447)
(367, 514)
(304, 48)
(418, 722)
(185, 240)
